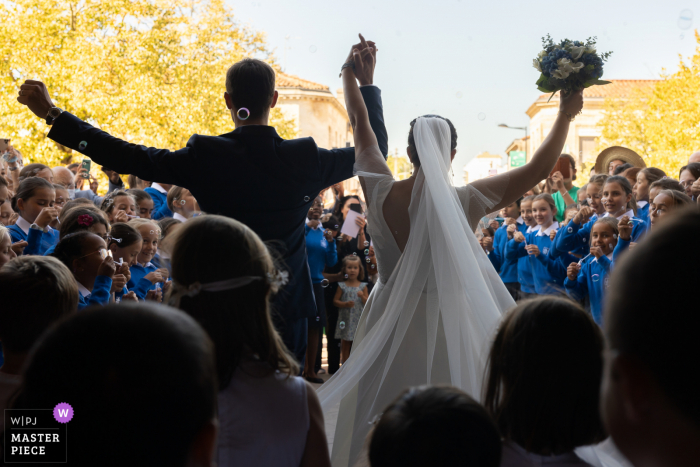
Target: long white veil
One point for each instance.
(433, 320)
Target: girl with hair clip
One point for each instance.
(146, 277)
(268, 416)
(36, 170)
(548, 272)
(543, 383)
(80, 218)
(618, 201)
(34, 201)
(350, 298)
(119, 206)
(589, 277)
(125, 245)
(86, 255)
(645, 178)
(181, 202)
(144, 203)
(664, 203)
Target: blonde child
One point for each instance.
(350, 298)
(119, 206)
(145, 276)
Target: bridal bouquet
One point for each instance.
(569, 65)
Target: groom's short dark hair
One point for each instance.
(251, 84)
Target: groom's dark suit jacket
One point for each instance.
(251, 175)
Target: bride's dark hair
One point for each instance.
(412, 142)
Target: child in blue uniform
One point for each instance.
(159, 194)
(34, 201)
(548, 273)
(144, 274)
(85, 254)
(525, 265)
(590, 277)
(618, 201)
(125, 244)
(568, 239)
(645, 178)
(508, 268)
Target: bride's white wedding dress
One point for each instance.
(437, 304)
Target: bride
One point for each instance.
(431, 315)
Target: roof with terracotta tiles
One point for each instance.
(290, 81)
(617, 88)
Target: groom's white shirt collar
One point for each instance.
(157, 187)
(542, 233)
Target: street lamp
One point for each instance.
(524, 128)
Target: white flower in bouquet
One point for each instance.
(576, 52)
(569, 65)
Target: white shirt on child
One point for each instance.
(542, 233)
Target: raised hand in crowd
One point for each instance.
(597, 251)
(583, 216)
(552, 234)
(533, 250)
(695, 189)
(365, 61)
(121, 216)
(130, 297)
(519, 237)
(572, 271)
(493, 223)
(155, 295)
(46, 216)
(624, 228)
(18, 247)
(118, 283)
(510, 231)
(487, 244)
(155, 276)
(328, 235)
(107, 268)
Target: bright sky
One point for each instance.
(463, 58)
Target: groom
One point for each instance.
(249, 174)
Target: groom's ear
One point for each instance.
(274, 100)
(229, 102)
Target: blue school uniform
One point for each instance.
(160, 202)
(38, 241)
(592, 281)
(508, 269)
(100, 293)
(576, 236)
(137, 283)
(525, 268)
(548, 272)
(643, 211)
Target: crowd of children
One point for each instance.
(536, 255)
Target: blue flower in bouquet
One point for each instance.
(569, 65)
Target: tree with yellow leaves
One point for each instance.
(661, 123)
(150, 72)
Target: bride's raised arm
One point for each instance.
(514, 183)
(361, 63)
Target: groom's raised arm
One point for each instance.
(337, 164)
(152, 164)
(157, 165)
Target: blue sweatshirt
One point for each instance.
(100, 293)
(320, 253)
(137, 283)
(507, 268)
(592, 280)
(160, 203)
(525, 268)
(643, 211)
(548, 273)
(38, 241)
(576, 236)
